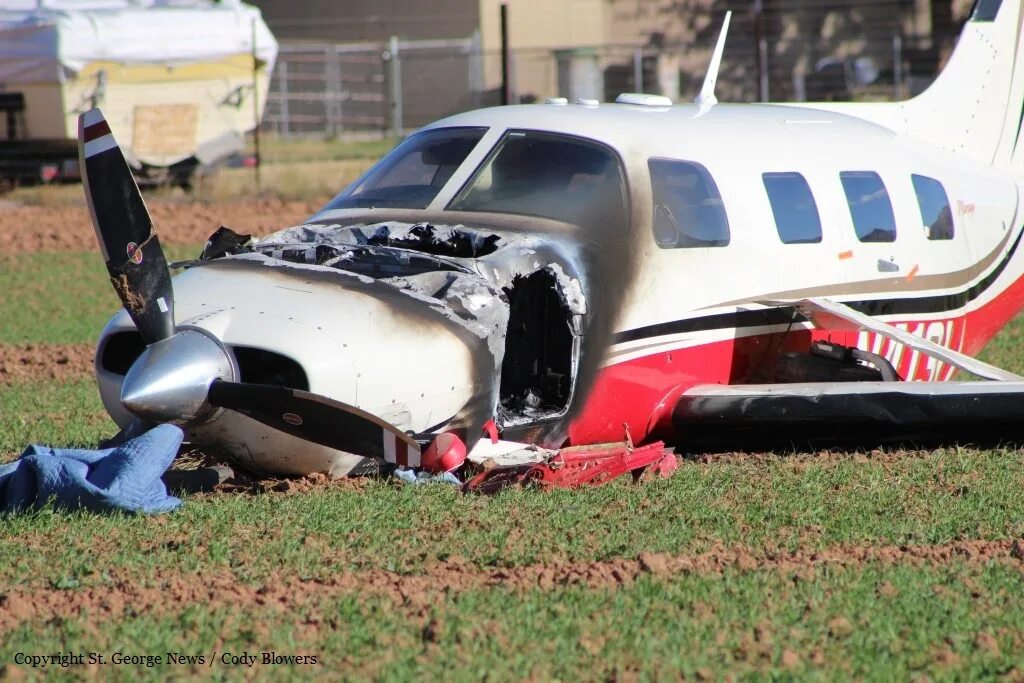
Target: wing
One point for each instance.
(854, 414)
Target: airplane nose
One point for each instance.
(170, 381)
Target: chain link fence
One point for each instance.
(329, 90)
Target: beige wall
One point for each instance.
(547, 24)
(536, 28)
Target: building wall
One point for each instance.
(369, 20)
(536, 29)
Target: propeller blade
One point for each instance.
(136, 263)
(318, 419)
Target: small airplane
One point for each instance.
(716, 275)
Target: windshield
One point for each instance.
(553, 176)
(412, 174)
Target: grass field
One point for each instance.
(876, 566)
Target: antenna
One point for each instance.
(707, 98)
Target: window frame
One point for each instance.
(843, 175)
(369, 173)
(655, 205)
(499, 145)
(914, 179)
(775, 213)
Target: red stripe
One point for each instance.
(96, 130)
(638, 391)
(401, 453)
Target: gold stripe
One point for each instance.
(897, 284)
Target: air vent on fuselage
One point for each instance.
(120, 350)
(259, 366)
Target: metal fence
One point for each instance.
(328, 90)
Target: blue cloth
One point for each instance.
(123, 478)
(422, 477)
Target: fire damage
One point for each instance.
(519, 294)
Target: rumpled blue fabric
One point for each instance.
(423, 477)
(126, 477)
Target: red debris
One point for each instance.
(445, 453)
(580, 466)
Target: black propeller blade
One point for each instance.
(318, 419)
(135, 261)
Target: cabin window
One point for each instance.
(870, 207)
(411, 174)
(936, 214)
(796, 214)
(986, 10)
(688, 209)
(549, 175)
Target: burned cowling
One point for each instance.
(427, 328)
(517, 295)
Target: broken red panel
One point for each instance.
(580, 466)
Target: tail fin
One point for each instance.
(975, 105)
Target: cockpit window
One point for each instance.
(688, 209)
(548, 175)
(412, 174)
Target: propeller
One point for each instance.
(135, 261)
(186, 376)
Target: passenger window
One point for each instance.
(796, 214)
(688, 209)
(870, 207)
(936, 213)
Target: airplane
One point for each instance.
(715, 275)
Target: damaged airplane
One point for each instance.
(707, 274)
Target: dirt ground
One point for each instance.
(34, 362)
(69, 228)
(174, 588)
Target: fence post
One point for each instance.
(395, 77)
(897, 67)
(283, 125)
(638, 70)
(476, 69)
(761, 54)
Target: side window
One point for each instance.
(796, 214)
(688, 209)
(870, 207)
(936, 214)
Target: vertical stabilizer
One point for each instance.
(975, 105)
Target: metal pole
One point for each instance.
(897, 66)
(506, 89)
(761, 52)
(638, 70)
(395, 73)
(282, 81)
(256, 107)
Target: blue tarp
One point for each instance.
(126, 477)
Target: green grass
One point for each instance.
(831, 625)
(785, 504)
(60, 297)
(61, 414)
(274, 149)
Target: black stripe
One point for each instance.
(786, 314)
(756, 318)
(96, 130)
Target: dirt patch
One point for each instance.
(169, 590)
(34, 362)
(69, 228)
